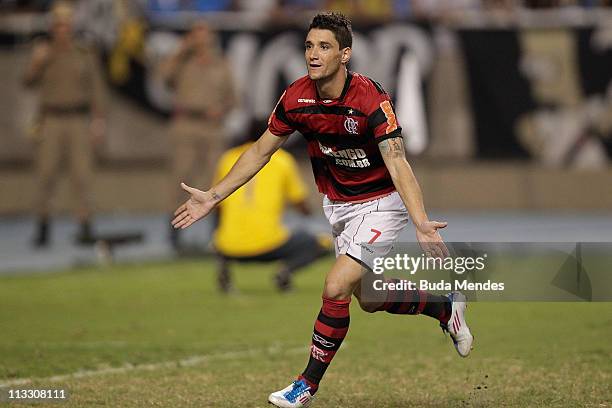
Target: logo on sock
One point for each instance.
(322, 341)
(318, 354)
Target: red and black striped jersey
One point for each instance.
(342, 134)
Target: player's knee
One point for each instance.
(336, 291)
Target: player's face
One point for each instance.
(323, 54)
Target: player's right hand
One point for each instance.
(198, 206)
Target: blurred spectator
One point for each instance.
(243, 237)
(402, 8)
(260, 6)
(362, 9)
(290, 6)
(189, 5)
(72, 104)
(204, 94)
(541, 3)
(28, 5)
(441, 10)
(500, 4)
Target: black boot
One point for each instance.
(283, 280)
(224, 279)
(85, 236)
(42, 233)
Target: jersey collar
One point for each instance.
(347, 85)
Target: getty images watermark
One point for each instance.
(413, 264)
(493, 271)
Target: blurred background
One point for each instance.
(506, 108)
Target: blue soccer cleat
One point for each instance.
(295, 395)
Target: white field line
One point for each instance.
(186, 362)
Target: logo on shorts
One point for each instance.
(351, 126)
(365, 246)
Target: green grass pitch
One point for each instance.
(159, 335)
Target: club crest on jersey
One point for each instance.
(351, 126)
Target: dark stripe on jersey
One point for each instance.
(378, 86)
(376, 119)
(340, 141)
(347, 85)
(363, 188)
(321, 166)
(282, 116)
(327, 110)
(396, 133)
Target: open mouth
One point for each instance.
(315, 65)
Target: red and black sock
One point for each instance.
(330, 329)
(416, 302)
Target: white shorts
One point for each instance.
(366, 230)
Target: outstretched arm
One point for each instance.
(250, 162)
(405, 182)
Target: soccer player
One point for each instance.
(358, 159)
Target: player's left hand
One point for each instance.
(430, 240)
(199, 205)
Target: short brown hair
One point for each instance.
(338, 24)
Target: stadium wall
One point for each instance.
(481, 186)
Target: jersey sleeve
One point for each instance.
(294, 185)
(278, 123)
(382, 121)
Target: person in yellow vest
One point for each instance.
(72, 99)
(251, 226)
